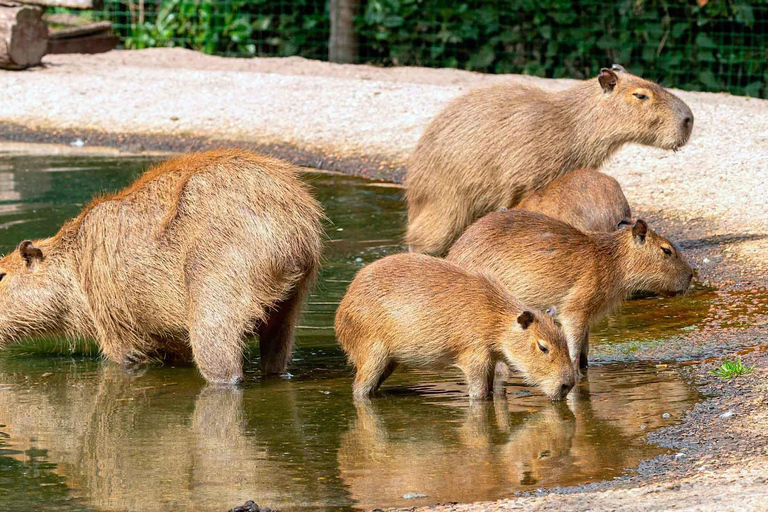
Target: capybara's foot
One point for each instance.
(224, 381)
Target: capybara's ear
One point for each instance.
(607, 79)
(618, 68)
(525, 319)
(552, 311)
(639, 230)
(29, 252)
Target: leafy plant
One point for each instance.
(731, 369)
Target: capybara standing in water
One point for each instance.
(426, 312)
(544, 261)
(587, 200)
(197, 254)
(491, 147)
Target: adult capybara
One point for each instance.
(586, 199)
(491, 147)
(426, 312)
(198, 253)
(544, 261)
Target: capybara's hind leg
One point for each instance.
(391, 366)
(217, 326)
(370, 374)
(434, 230)
(276, 333)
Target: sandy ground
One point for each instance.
(712, 197)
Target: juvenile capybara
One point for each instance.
(493, 146)
(586, 199)
(425, 312)
(543, 261)
(197, 254)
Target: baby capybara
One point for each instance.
(197, 254)
(491, 147)
(587, 200)
(544, 261)
(425, 312)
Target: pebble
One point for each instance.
(727, 414)
(78, 143)
(679, 455)
(642, 427)
(359, 260)
(665, 415)
(413, 496)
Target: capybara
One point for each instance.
(586, 199)
(425, 312)
(493, 146)
(543, 261)
(197, 254)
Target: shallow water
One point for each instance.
(80, 434)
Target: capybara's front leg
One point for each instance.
(478, 370)
(583, 356)
(217, 347)
(576, 331)
(435, 228)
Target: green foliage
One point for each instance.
(721, 45)
(731, 369)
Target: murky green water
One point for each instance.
(80, 434)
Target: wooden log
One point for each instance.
(81, 30)
(23, 35)
(96, 43)
(72, 4)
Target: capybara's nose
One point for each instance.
(565, 389)
(688, 122)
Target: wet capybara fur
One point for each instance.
(587, 200)
(543, 261)
(196, 255)
(421, 311)
(491, 147)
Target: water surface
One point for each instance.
(77, 433)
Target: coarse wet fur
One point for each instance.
(586, 199)
(197, 254)
(543, 261)
(491, 147)
(421, 311)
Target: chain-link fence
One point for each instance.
(712, 45)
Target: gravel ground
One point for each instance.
(711, 197)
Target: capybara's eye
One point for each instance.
(2, 275)
(542, 347)
(667, 251)
(640, 96)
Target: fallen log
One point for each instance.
(23, 36)
(72, 4)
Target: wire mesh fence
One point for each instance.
(711, 45)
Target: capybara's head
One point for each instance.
(542, 355)
(33, 294)
(652, 263)
(644, 112)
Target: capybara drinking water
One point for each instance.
(426, 312)
(587, 200)
(491, 147)
(197, 254)
(544, 261)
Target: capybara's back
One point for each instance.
(421, 311)
(491, 147)
(198, 253)
(586, 199)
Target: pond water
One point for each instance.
(77, 433)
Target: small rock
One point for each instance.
(679, 455)
(642, 427)
(727, 414)
(78, 143)
(665, 415)
(325, 392)
(413, 496)
(176, 118)
(705, 260)
(359, 260)
(339, 229)
(250, 506)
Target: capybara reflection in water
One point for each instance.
(587, 200)
(421, 311)
(544, 261)
(197, 254)
(491, 147)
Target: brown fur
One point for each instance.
(425, 312)
(587, 200)
(195, 255)
(492, 147)
(544, 261)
